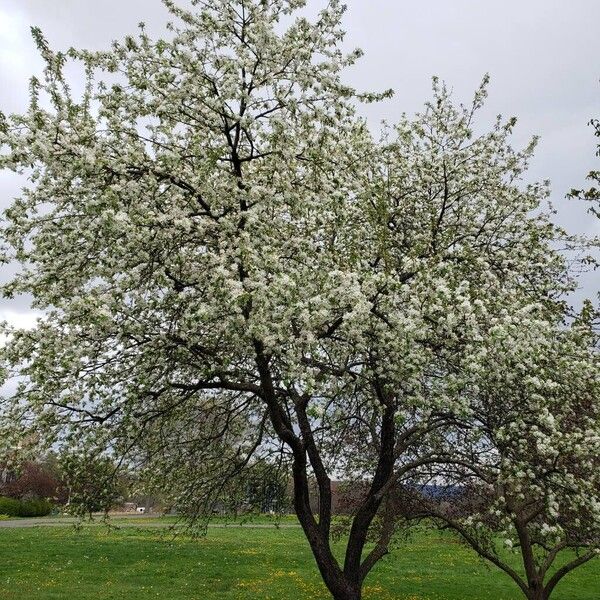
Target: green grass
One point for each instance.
(236, 563)
(250, 519)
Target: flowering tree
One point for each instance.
(92, 483)
(592, 194)
(526, 466)
(233, 270)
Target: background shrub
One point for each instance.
(10, 507)
(35, 508)
(24, 508)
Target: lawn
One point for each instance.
(234, 563)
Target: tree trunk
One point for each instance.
(538, 593)
(349, 593)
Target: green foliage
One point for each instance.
(24, 508)
(35, 508)
(10, 507)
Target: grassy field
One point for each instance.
(234, 563)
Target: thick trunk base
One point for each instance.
(348, 594)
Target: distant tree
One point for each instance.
(231, 267)
(526, 470)
(35, 480)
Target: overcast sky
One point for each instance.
(543, 57)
